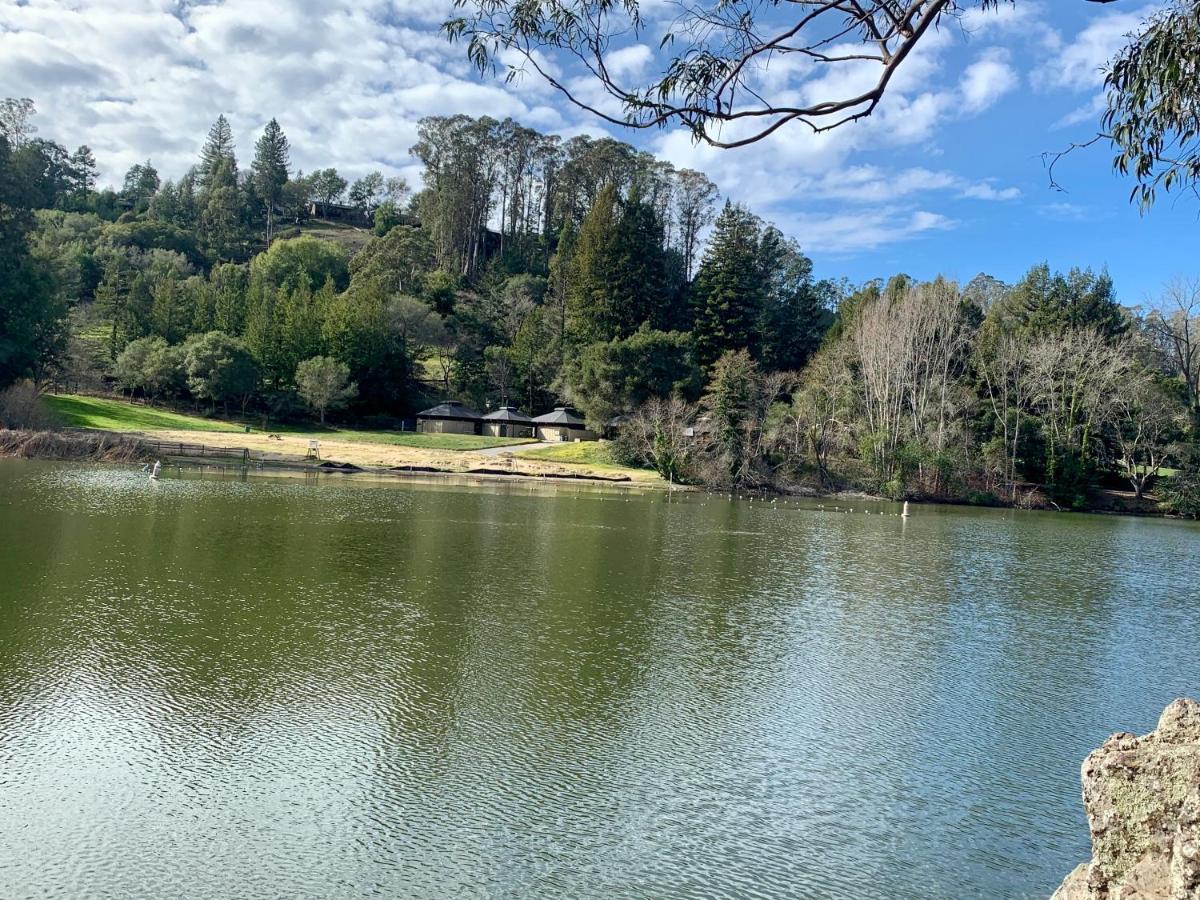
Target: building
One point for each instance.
(507, 421)
(564, 424)
(450, 417)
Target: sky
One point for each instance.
(946, 178)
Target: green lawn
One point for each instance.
(117, 415)
(587, 453)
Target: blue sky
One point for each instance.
(945, 178)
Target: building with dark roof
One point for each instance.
(507, 421)
(563, 424)
(449, 417)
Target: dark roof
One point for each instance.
(507, 414)
(562, 415)
(618, 421)
(450, 409)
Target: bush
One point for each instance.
(21, 408)
(1181, 494)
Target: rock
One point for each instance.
(1142, 798)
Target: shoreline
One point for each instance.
(468, 467)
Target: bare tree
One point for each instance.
(1077, 376)
(1002, 362)
(822, 408)
(658, 435)
(1146, 418)
(1174, 326)
(911, 349)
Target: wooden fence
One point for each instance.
(182, 448)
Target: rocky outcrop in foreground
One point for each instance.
(1142, 796)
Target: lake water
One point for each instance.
(215, 687)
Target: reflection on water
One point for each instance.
(215, 687)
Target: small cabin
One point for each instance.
(450, 417)
(563, 424)
(507, 422)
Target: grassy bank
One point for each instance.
(116, 415)
(373, 449)
(110, 414)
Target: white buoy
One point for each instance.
(904, 512)
(154, 472)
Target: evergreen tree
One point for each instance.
(729, 291)
(83, 171)
(220, 213)
(269, 171)
(590, 315)
(218, 163)
(796, 310)
(638, 287)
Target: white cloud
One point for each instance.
(988, 79)
(854, 232)
(1078, 65)
(628, 62)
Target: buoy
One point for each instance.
(904, 512)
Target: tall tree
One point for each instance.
(695, 199)
(729, 290)
(269, 171)
(218, 160)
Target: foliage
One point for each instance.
(220, 369)
(1154, 105)
(324, 383)
(612, 377)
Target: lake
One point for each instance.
(214, 686)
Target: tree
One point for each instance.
(327, 187)
(269, 171)
(141, 183)
(129, 368)
(324, 383)
(32, 314)
(304, 261)
(589, 308)
(618, 376)
(1076, 377)
(796, 310)
(15, 125)
(736, 403)
(695, 200)
(367, 191)
(1045, 302)
(1174, 327)
(218, 163)
(84, 171)
(729, 289)
(658, 434)
(1146, 417)
(220, 369)
(1154, 104)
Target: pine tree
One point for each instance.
(84, 170)
(270, 170)
(638, 284)
(589, 310)
(218, 149)
(729, 288)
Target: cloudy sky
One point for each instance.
(946, 178)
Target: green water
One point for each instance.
(213, 687)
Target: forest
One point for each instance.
(532, 270)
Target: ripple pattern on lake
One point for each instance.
(215, 687)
